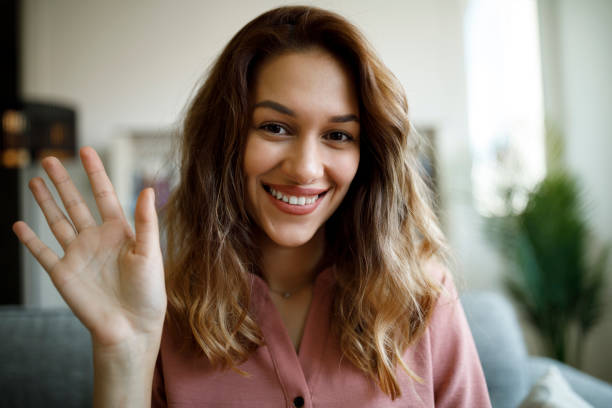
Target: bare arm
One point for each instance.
(123, 377)
(110, 276)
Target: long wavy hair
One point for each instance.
(379, 238)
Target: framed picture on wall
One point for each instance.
(139, 159)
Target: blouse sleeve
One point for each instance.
(458, 377)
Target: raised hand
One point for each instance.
(111, 277)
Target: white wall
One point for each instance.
(134, 63)
(577, 58)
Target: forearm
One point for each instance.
(123, 376)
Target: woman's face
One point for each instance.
(302, 149)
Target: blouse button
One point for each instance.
(298, 402)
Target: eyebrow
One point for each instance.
(286, 111)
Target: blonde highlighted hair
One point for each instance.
(379, 238)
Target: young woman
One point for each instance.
(303, 263)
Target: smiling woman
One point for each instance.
(304, 264)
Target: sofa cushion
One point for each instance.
(46, 359)
(594, 391)
(553, 391)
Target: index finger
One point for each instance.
(101, 186)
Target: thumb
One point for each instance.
(145, 221)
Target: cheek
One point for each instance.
(257, 158)
(345, 168)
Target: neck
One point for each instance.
(290, 269)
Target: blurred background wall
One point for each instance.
(131, 66)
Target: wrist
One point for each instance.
(123, 373)
(141, 348)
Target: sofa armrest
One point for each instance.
(500, 346)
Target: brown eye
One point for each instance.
(274, 128)
(339, 137)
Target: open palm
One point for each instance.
(111, 277)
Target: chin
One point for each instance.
(290, 240)
(290, 237)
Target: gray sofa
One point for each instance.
(509, 371)
(45, 357)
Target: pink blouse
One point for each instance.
(444, 357)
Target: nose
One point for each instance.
(304, 163)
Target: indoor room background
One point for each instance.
(127, 68)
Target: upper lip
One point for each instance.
(296, 190)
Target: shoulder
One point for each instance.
(457, 373)
(447, 327)
(439, 274)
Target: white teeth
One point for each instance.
(293, 200)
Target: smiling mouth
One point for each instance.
(296, 200)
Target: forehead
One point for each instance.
(312, 76)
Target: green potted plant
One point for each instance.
(555, 275)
